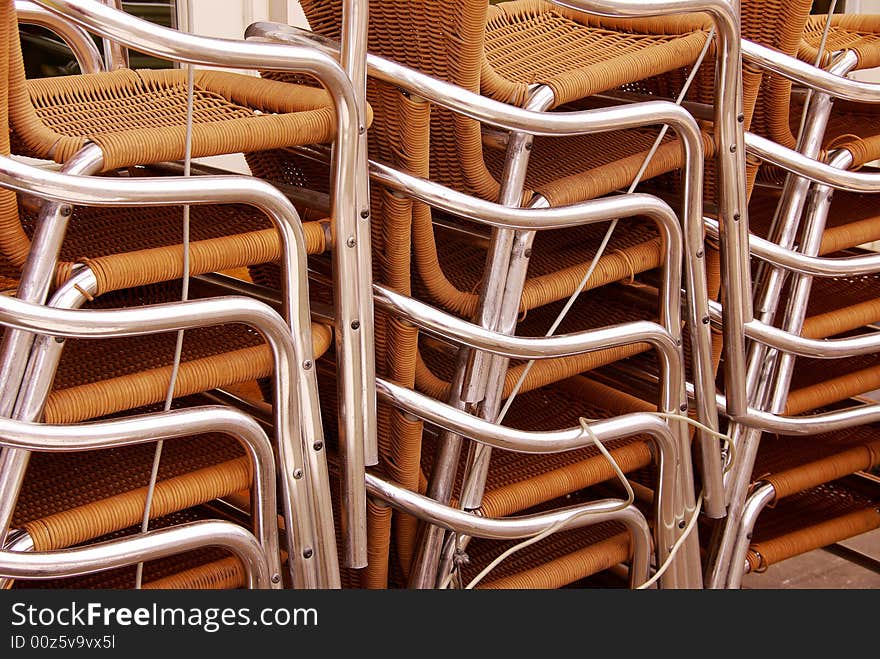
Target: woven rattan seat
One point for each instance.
(859, 32)
(139, 117)
(196, 570)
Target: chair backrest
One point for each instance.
(778, 24)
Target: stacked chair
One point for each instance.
(440, 258)
(600, 352)
(113, 122)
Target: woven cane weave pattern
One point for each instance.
(834, 513)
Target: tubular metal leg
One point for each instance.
(757, 501)
(297, 500)
(474, 377)
(299, 427)
(149, 428)
(45, 357)
(354, 62)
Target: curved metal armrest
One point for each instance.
(75, 37)
(140, 548)
(808, 75)
(175, 424)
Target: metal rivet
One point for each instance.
(740, 118)
(705, 320)
(733, 148)
(365, 213)
(318, 446)
(529, 146)
(276, 578)
(355, 324)
(699, 253)
(362, 130)
(683, 407)
(307, 552)
(66, 210)
(307, 364)
(736, 217)
(59, 339)
(527, 253)
(297, 473)
(682, 524)
(351, 242)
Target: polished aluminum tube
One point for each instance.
(863, 344)
(147, 428)
(796, 307)
(730, 158)
(140, 548)
(478, 367)
(819, 80)
(523, 526)
(74, 37)
(502, 282)
(624, 425)
(814, 170)
(814, 424)
(39, 268)
(513, 118)
(353, 58)
(352, 352)
(115, 54)
(35, 282)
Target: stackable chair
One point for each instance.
(803, 419)
(129, 257)
(427, 129)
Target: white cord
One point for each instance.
(184, 296)
(557, 526)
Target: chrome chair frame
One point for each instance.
(301, 458)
